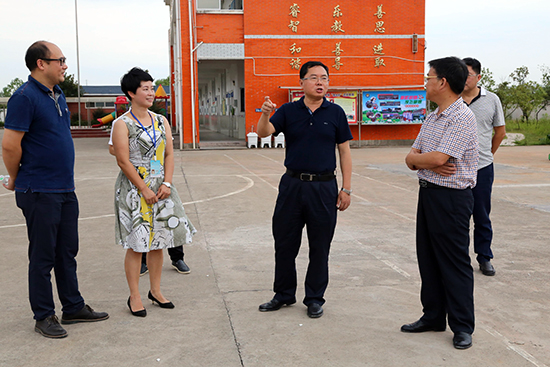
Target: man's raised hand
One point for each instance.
(268, 107)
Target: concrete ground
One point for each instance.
(374, 288)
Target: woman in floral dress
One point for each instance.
(149, 213)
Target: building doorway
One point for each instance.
(221, 103)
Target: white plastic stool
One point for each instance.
(252, 140)
(279, 140)
(266, 141)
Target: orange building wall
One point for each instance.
(267, 61)
(267, 66)
(220, 28)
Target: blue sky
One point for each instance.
(115, 35)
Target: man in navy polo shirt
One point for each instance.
(38, 153)
(308, 191)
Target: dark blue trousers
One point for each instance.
(442, 241)
(52, 229)
(299, 204)
(483, 231)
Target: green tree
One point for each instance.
(546, 88)
(505, 92)
(70, 87)
(528, 95)
(11, 87)
(487, 80)
(165, 81)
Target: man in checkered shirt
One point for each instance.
(445, 153)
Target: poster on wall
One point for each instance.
(347, 100)
(394, 107)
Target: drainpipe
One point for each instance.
(177, 66)
(192, 56)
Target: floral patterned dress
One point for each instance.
(140, 226)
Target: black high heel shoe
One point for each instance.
(162, 305)
(140, 313)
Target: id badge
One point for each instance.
(155, 168)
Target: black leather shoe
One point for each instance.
(487, 268)
(420, 327)
(181, 267)
(162, 305)
(143, 270)
(87, 314)
(140, 313)
(50, 327)
(314, 310)
(462, 340)
(274, 305)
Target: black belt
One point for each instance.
(308, 177)
(428, 185)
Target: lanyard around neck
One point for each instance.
(154, 138)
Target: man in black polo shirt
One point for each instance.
(308, 191)
(38, 152)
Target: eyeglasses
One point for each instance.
(471, 75)
(315, 79)
(61, 60)
(428, 77)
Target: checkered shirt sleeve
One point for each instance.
(453, 132)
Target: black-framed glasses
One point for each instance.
(61, 60)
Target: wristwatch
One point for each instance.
(346, 191)
(167, 184)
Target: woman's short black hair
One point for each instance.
(131, 81)
(36, 51)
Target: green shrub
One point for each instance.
(98, 113)
(74, 119)
(535, 132)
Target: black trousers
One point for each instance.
(176, 253)
(483, 231)
(299, 204)
(442, 241)
(52, 229)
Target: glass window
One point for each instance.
(220, 4)
(109, 104)
(232, 4)
(208, 4)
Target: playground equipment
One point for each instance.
(120, 100)
(106, 119)
(161, 94)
